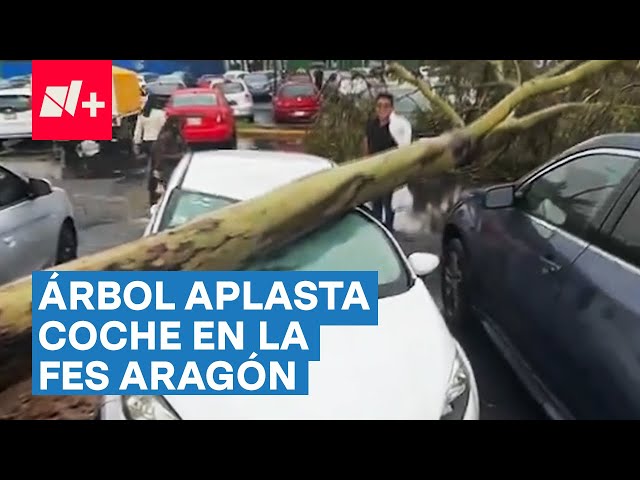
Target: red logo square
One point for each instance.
(72, 99)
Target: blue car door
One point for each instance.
(555, 212)
(598, 367)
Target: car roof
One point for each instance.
(627, 141)
(15, 91)
(623, 141)
(187, 91)
(295, 83)
(244, 174)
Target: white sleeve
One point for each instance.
(400, 129)
(405, 133)
(137, 134)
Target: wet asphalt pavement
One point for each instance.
(111, 211)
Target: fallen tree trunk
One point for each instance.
(226, 239)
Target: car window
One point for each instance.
(15, 103)
(183, 206)
(12, 189)
(256, 78)
(625, 238)
(409, 101)
(232, 87)
(297, 91)
(194, 100)
(337, 247)
(575, 195)
(353, 243)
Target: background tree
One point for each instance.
(461, 91)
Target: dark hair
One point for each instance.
(386, 96)
(153, 103)
(172, 122)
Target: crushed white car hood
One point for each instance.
(396, 370)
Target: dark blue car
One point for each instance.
(550, 266)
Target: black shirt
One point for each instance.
(379, 138)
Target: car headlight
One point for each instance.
(147, 407)
(458, 391)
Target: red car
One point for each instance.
(296, 102)
(208, 118)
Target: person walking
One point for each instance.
(318, 78)
(386, 130)
(148, 126)
(166, 153)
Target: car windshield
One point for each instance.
(169, 79)
(298, 91)
(150, 77)
(256, 78)
(194, 100)
(232, 87)
(340, 246)
(16, 103)
(408, 101)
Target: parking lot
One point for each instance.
(113, 210)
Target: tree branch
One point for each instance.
(514, 125)
(502, 83)
(498, 69)
(532, 88)
(518, 72)
(558, 69)
(404, 74)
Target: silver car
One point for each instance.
(37, 228)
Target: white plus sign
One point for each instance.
(93, 104)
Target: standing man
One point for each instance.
(386, 130)
(318, 78)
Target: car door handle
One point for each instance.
(549, 265)
(10, 241)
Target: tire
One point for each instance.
(67, 249)
(455, 283)
(233, 143)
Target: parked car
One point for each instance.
(261, 84)
(187, 78)
(239, 98)
(411, 347)
(299, 78)
(148, 77)
(550, 267)
(19, 81)
(37, 227)
(296, 102)
(165, 85)
(234, 74)
(15, 114)
(205, 80)
(208, 117)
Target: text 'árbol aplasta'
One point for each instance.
(191, 333)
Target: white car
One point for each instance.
(407, 367)
(235, 74)
(15, 113)
(37, 228)
(239, 98)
